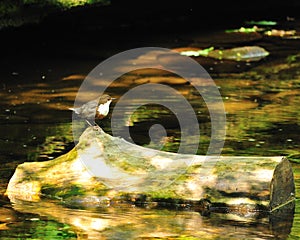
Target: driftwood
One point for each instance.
(102, 169)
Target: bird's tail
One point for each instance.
(74, 110)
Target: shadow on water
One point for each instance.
(263, 113)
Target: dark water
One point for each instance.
(263, 115)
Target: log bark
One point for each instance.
(103, 168)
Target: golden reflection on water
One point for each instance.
(129, 222)
(263, 119)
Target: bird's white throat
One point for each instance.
(103, 109)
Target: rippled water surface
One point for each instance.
(263, 115)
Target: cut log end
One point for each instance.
(282, 189)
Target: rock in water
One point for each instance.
(246, 54)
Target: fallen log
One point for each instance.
(106, 168)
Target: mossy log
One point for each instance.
(103, 168)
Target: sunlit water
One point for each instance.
(262, 106)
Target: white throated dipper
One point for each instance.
(95, 109)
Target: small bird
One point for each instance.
(95, 109)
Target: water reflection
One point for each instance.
(249, 129)
(263, 116)
(129, 222)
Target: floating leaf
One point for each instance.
(280, 33)
(202, 52)
(262, 23)
(244, 30)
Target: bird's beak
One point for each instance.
(113, 98)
